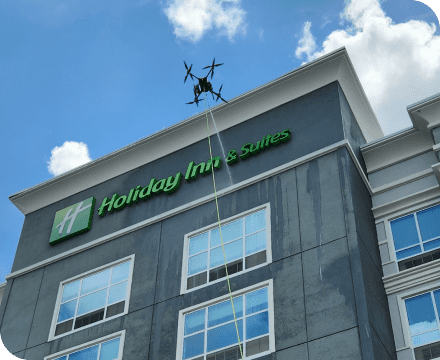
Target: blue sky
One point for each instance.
(80, 78)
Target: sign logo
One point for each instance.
(73, 220)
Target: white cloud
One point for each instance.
(398, 64)
(67, 157)
(307, 43)
(325, 21)
(191, 19)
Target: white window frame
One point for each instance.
(120, 334)
(83, 275)
(184, 277)
(421, 242)
(183, 312)
(399, 214)
(404, 316)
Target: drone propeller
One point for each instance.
(192, 102)
(188, 71)
(218, 95)
(196, 100)
(212, 68)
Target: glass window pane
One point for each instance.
(117, 292)
(233, 251)
(224, 335)
(256, 242)
(197, 263)
(195, 321)
(408, 252)
(198, 243)
(420, 311)
(437, 300)
(90, 353)
(426, 338)
(95, 282)
(193, 345)
(257, 325)
(67, 310)
(256, 301)
(404, 232)
(62, 358)
(230, 231)
(255, 222)
(431, 245)
(429, 222)
(120, 272)
(109, 350)
(92, 302)
(222, 312)
(70, 291)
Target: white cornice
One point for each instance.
(410, 278)
(406, 202)
(402, 181)
(332, 67)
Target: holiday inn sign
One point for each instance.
(77, 219)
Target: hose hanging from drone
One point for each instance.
(220, 228)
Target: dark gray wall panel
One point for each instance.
(20, 308)
(328, 289)
(164, 330)
(379, 350)
(144, 243)
(20, 354)
(299, 352)
(377, 302)
(320, 202)
(290, 325)
(285, 217)
(137, 336)
(357, 206)
(5, 300)
(279, 190)
(37, 352)
(340, 346)
(314, 119)
(352, 130)
(221, 288)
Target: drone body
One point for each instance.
(204, 85)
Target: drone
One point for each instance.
(204, 85)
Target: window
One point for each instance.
(246, 240)
(424, 324)
(416, 233)
(107, 348)
(93, 297)
(208, 332)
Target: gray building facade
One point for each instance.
(301, 243)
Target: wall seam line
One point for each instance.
(344, 198)
(35, 308)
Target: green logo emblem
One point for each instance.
(72, 220)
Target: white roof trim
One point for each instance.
(335, 66)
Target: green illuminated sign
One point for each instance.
(72, 220)
(77, 218)
(251, 149)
